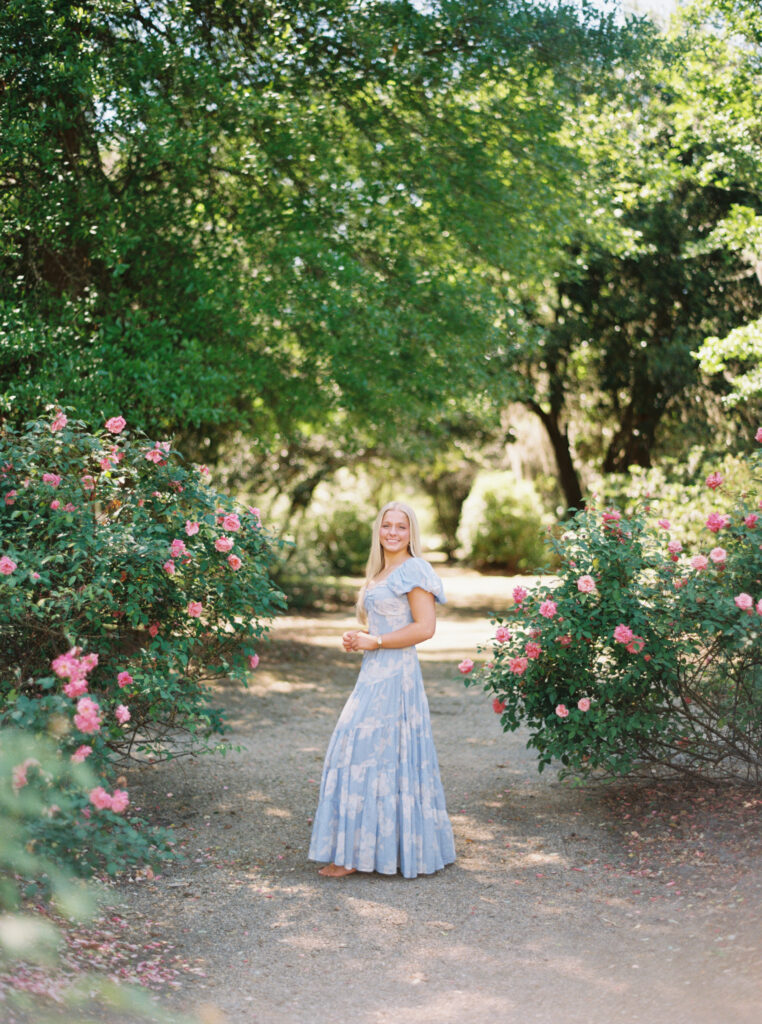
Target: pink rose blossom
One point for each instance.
(256, 514)
(76, 687)
(223, 544)
(502, 635)
(744, 601)
(154, 455)
(122, 714)
(89, 662)
(169, 567)
(636, 645)
(674, 546)
(518, 666)
(194, 609)
(519, 594)
(81, 753)
(254, 661)
(123, 679)
(586, 585)
(153, 629)
(100, 799)
(87, 482)
(718, 555)
(55, 504)
(116, 424)
(699, 562)
(231, 522)
(68, 507)
(191, 528)
(35, 576)
(53, 479)
(7, 565)
(623, 634)
(88, 716)
(548, 609)
(565, 640)
(68, 666)
(466, 666)
(498, 706)
(583, 704)
(120, 801)
(532, 650)
(204, 471)
(759, 607)
(715, 480)
(716, 522)
(18, 775)
(59, 422)
(234, 562)
(758, 435)
(10, 497)
(611, 515)
(664, 524)
(751, 520)
(177, 547)
(562, 711)
(106, 463)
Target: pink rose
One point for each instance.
(68, 507)
(675, 546)
(583, 704)
(758, 435)
(7, 565)
(10, 498)
(123, 679)
(759, 607)
(466, 666)
(744, 601)
(116, 424)
(565, 640)
(623, 634)
(562, 711)
(100, 799)
(715, 480)
(751, 520)
(636, 645)
(586, 585)
(502, 635)
(75, 687)
(718, 555)
(88, 716)
(53, 479)
(154, 455)
(253, 660)
(18, 775)
(716, 522)
(194, 609)
(55, 504)
(122, 714)
(611, 515)
(548, 609)
(234, 562)
(231, 522)
(518, 666)
(204, 471)
(169, 567)
(81, 753)
(59, 422)
(89, 662)
(664, 524)
(35, 576)
(106, 463)
(119, 801)
(532, 650)
(223, 544)
(177, 547)
(498, 706)
(699, 562)
(191, 528)
(153, 629)
(519, 594)
(256, 514)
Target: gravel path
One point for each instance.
(556, 911)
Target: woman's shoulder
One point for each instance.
(417, 572)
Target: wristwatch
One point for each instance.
(379, 640)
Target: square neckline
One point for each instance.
(377, 583)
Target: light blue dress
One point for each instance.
(382, 806)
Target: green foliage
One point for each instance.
(502, 525)
(643, 658)
(88, 525)
(342, 540)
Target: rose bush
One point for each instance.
(646, 649)
(117, 608)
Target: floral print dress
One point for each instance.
(382, 806)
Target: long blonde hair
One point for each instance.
(376, 560)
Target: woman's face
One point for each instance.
(394, 532)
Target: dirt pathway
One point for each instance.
(556, 911)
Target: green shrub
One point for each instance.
(502, 525)
(638, 654)
(342, 540)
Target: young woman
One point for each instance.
(381, 806)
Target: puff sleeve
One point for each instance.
(416, 572)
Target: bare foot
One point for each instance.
(336, 871)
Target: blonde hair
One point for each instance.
(376, 559)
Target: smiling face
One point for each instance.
(394, 532)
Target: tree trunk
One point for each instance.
(567, 473)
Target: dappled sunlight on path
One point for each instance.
(541, 920)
